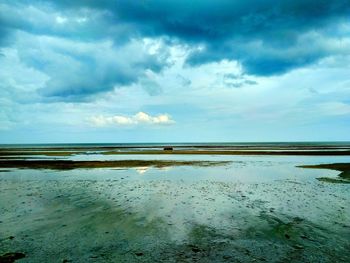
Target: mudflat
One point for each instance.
(155, 205)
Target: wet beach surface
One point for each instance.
(252, 209)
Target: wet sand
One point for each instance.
(164, 210)
(162, 221)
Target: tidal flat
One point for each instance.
(205, 208)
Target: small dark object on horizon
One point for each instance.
(168, 148)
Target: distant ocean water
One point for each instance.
(185, 144)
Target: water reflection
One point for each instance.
(142, 170)
(241, 169)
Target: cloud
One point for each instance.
(333, 108)
(237, 80)
(76, 70)
(137, 119)
(151, 87)
(266, 37)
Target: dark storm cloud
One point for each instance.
(226, 28)
(232, 29)
(266, 37)
(39, 17)
(77, 70)
(81, 51)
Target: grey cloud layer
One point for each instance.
(87, 47)
(79, 68)
(267, 37)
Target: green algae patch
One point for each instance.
(343, 177)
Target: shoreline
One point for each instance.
(23, 153)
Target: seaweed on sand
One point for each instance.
(343, 168)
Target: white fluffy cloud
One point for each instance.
(138, 118)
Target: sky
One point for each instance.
(174, 71)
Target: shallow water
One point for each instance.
(250, 169)
(258, 208)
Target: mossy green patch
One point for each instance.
(343, 177)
